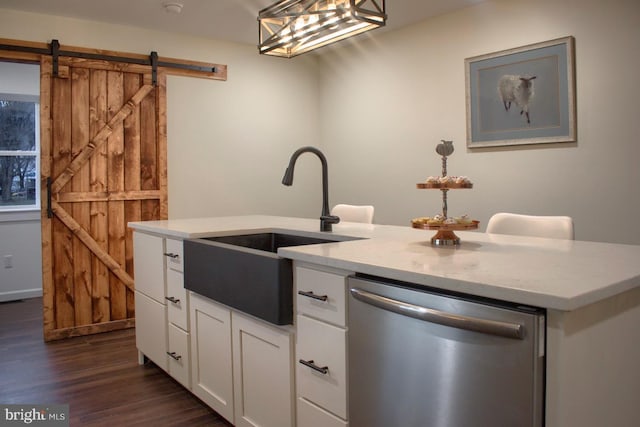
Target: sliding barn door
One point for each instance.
(103, 154)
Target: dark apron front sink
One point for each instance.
(244, 272)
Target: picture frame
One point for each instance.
(524, 95)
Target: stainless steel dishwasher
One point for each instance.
(421, 358)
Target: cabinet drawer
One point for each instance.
(179, 355)
(325, 345)
(174, 254)
(321, 295)
(310, 415)
(177, 303)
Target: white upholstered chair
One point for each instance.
(555, 227)
(353, 213)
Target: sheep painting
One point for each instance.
(518, 89)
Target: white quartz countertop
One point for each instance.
(550, 273)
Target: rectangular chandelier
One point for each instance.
(291, 27)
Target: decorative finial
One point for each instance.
(445, 149)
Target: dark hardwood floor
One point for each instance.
(97, 376)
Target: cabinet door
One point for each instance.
(151, 329)
(211, 370)
(149, 265)
(263, 374)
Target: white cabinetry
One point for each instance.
(162, 332)
(177, 314)
(211, 375)
(151, 330)
(241, 365)
(262, 372)
(321, 373)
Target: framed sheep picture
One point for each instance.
(522, 96)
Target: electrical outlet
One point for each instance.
(8, 261)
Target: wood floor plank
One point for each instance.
(97, 376)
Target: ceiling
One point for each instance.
(230, 20)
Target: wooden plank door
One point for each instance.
(103, 155)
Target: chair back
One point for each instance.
(555, 227)
(353, 213)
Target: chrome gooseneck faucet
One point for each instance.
(325, 219)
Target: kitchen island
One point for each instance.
(591, 293)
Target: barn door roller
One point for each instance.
(55, 53)
(153, 58)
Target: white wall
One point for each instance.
(20, 230)
(20, 240)
(387, 102)
(21, 79)
(229, 143)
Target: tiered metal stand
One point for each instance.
(445, 235)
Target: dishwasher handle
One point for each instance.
(492, 327)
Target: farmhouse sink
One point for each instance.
(244, 271)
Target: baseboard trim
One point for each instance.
(21, 294)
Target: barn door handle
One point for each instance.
(49, 210)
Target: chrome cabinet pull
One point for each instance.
(310, 294)
(309, 363)
(171, 255)
(492, 327)
(173, 300)
(174, 356)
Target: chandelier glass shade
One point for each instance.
(291, 27)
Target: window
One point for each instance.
(19, 148)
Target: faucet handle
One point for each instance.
(331, 219)
(327, 220)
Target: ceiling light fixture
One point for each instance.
(291, 27)
(173, 7)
